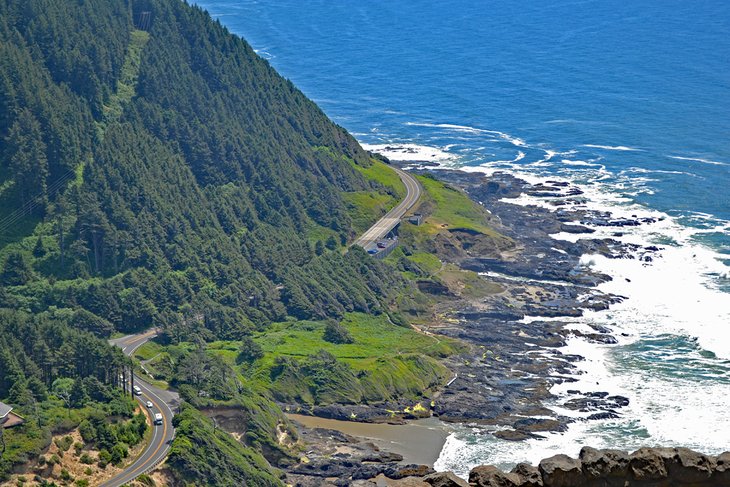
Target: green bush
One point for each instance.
(64, 443)
(334, 332)
(104, 458)
(119, 453)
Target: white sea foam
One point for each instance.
(698, 159)
(516, 141)
(569, 162)
(410, 152)
(643, 170)
(449, 126)
(621, 148)
(674, 314)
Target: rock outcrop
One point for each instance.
(646, 467)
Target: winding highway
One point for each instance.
(383, 226)
(163, 402)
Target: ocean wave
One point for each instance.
(643, 170)
(410, 152)
(698, 159)
(516, 141)
(621, 148)
(449, 126)
(569, 162)
(265, 54)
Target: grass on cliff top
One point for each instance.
(384, 174)
(375, 338)
(365, 207)
(451, 209)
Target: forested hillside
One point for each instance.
(154, 171)
(168, 176)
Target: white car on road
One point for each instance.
(149, 404)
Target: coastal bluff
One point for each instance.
(646, 467)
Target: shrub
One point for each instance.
(334, 332)
(104, 458)
(87, 430)
(119, 452)
(249, 351)
(86, 459)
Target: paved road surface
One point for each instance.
(383, 226)
(162, 401)
(165, 401)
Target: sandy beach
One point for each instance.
(419, 441)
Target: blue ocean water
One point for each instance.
(631, 100)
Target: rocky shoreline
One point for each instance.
(646, 467)
(504, 380)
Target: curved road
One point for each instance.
(383, 226)
(162, 401)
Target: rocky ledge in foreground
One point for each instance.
(646, 467)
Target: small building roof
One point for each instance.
(4, 409)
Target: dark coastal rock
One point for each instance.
(591, 402)
(444, 479)
(604, 464)
(403, 471)
(383, 457)
(529, 475)
(539, 424)
(646, 467)
(689, 466)
(514, 435)
(605, 415)
(561, 471)
(575, 229)
(647, 464)
(721, 475)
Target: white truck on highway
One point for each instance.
(158, 418)
(137, 391)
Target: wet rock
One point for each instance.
(539, 424)
(606, 415)
(514, 435)
(575, 228)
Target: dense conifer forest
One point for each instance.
(155, 172)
